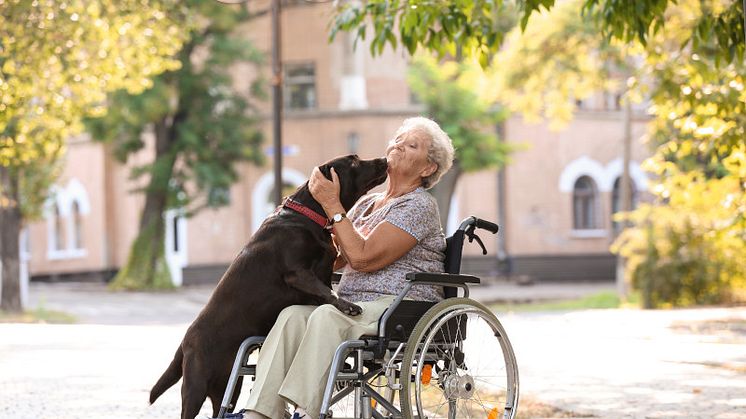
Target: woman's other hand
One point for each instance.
(325, 191)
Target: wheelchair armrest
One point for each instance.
(444, 279)
(424, 278)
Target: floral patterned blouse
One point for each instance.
(417, 214)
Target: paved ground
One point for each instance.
(609, 363)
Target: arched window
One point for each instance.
(584, 200)
(77, 226)
(59, 229)
(616, 198)
(65, 212)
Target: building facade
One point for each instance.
(554, 200)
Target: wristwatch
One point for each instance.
(338, 217)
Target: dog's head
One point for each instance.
(356, 177)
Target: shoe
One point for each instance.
(299, 415)
(235, 415)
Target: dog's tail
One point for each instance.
(169, 377)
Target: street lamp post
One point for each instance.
(277, 98)
(276, 94)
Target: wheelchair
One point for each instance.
(450, 359)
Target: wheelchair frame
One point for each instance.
(384, 355)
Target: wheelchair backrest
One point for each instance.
(454, 250)
(407, 313)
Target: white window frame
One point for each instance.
(63, 198)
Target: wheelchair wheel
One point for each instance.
(460, 364)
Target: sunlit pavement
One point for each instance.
(609, 363)
(85, 371)
(633, 363)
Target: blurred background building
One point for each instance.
(554, 200)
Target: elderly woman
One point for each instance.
(384, 236)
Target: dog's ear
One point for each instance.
(326, 170)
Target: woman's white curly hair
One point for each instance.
(441, 147)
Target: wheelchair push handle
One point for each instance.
(487, 225)
(475, 222)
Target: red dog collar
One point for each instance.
(308, 212)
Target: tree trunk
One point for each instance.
(10, 229)
(443, 192)
(146, 266)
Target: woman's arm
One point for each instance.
(383, 246)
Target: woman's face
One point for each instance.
(407, 155)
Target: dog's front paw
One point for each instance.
(347, 307)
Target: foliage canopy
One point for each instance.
(59, 59)
(478, 26)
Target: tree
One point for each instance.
(692, 70)
(681, 249)
(686, 248)
(57, 61)
(717, 24)
(467, 112)
(202, 127)
(475, 27)
(439, 26)
(558, 59)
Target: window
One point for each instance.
(616, 198)
(77, 227)
(59, 230)
(300, 86)
(584, 204)
(65, 212)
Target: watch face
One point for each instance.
(337, 218)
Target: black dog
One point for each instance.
(288, 261)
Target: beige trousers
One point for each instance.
(295, 359)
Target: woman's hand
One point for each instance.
(324, 191)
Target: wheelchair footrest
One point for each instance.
(348, 376)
